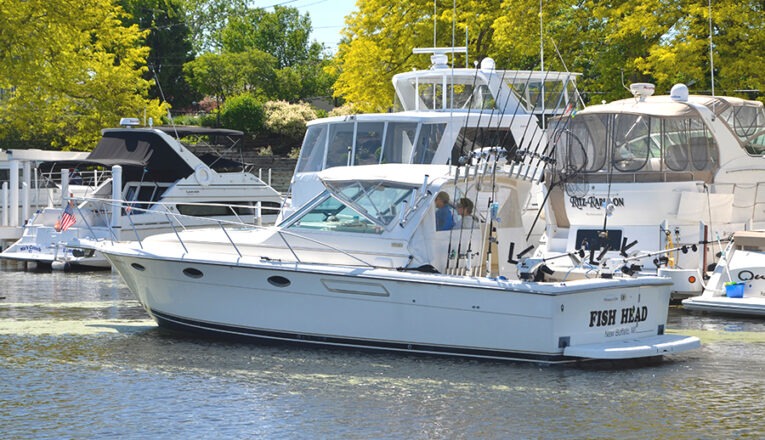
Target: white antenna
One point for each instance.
(711, 52)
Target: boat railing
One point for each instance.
(179, 222)
(86, 178)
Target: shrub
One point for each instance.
(343, 110)
(243, 112)
(288, 120)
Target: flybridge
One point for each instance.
(442, 88)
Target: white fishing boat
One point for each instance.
(364, 265)
(153, 176)
(737, 285)
(647, 185)
(441, 114)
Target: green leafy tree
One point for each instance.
(69, 69)
(611, 43)
(284, 34)
(169, 48)
(229, 74)
(206, 20)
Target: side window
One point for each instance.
(369, 141)
(340, 144)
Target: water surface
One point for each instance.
(79, 358)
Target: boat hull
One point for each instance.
(403, 311)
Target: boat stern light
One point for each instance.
(642, 90)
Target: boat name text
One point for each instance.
(748, 275)
(602, 318)
(594, 202)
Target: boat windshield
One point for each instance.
(365, 207)
(634, 142)
(369, 142)
(748, 123)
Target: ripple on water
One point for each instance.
(82, 360)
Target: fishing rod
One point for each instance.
(495, 141)
(480, 115)
(491, 115)
(543, 156)
(467, 118)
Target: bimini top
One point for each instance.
(145, 148)
(665, 106)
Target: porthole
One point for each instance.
(137, 266)
(192, 273)
(278, 281)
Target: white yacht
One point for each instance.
(648, 184)
(364, 265)
(154, 179)
(737, 285)
(443, 114)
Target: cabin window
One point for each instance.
(473, 138)
(312, 150)
(636, 143)
(399, 141)
(581, 147)
(427, 145)
(748, 122)
(221, 209)
(369, 141)
(340, 144)
(434, 96)
(632, 142)
(136, 193)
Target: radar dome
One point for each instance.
(679, 92)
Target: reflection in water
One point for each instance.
(80, 358)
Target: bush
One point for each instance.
(343, 110)
(288, 120)
(243, 112)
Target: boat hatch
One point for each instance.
(634, 348)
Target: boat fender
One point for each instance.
(202, 174)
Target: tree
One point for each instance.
(206, 20)
(284, 34)
(229, 74)
(661, 41)
(169, 48)
(69, 69)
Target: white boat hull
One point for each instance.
(743, 262)
(404, 311)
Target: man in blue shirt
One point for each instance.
(444, 217)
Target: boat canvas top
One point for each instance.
(665, 105)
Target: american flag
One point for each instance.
(67, 218)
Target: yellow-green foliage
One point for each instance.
(288, 119)
(69, 68)
(660, 41)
